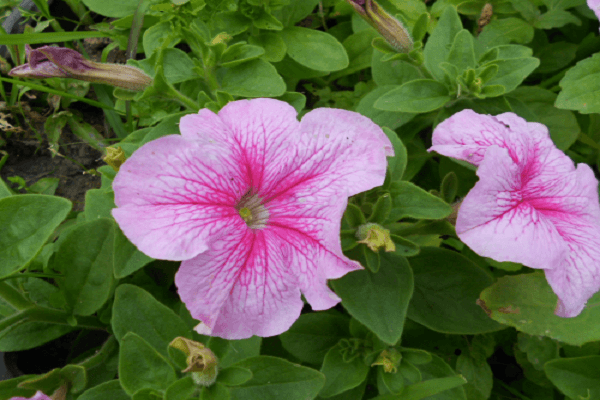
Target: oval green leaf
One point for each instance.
(527, 303)
(256, 78)
(135, 310)
(447, 286)
(379, 301)
(276, 378)
(315, 49)
(578, 378)
(418, 96)
(27, 222)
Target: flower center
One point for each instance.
(252, 211)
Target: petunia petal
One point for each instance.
(496, 222)
(594, 5)
(263, 129)
(44, 69)
(578, 221)
(466, 135)
(242, 286)
(174, 195)
(37, 396)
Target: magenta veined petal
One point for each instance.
(251, 200)
(530, 205)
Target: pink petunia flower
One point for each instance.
(531, 204)
(594, 5)
(38, 396)
(251, 201)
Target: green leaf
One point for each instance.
(511, 73)
(85, 259)
(440, 41)
(98, 204)
(419, 96)
(425, 389)
(394, 72)
(276, 378)
(578, 378)
(177, 66)
(9, 388)
(581, 87)
(147, 394)
(296, 11)
(113, 8)
(504, 31)
(183, 389)
(273, 45)
(30, 335)
(4, 190)
(409, 200)
(340, 375)
(379, 301)
(382, 118)
(556, 56)
(234, 376)
(135, 310)
(447, 286)
(155, 37)
(539, 349)
(127, 258)
(478, 374)
(462, 53)
(230, 352)
(240, 53)
(562, 124)
(215, 392)
(312, 335)
(230, 22)
(397, 163)
(315, 49)
(556, 18)
(359, 50)
(108, 390)
(142, 367)
(27, 221)
(256, 78)
(527, 302)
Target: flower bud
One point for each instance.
(60, 62)
(375, 236)
(389, 360)
(201, 361)
(389, 27)
(115, 157)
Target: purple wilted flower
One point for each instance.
(38, 396)
(531, 204)
(60, 62)
(251, 201)
(389, 27)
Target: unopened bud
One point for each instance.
(115, 157)
(389, 27)
(486, 16)
(389, 360)
(201, 361)
(375, 237)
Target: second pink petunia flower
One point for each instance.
(251, 201)
(531, 204)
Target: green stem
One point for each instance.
(11, 320)
(186, 101)
(211, 79)
(425, 72)
(552, 80)
(102, 355)
(13, 297)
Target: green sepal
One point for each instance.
(354, 216)
(372, 261)
(449, 187)
(381, 209)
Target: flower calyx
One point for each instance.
(389, 27)
(375, 236)
(201, 361)
(115, 157)
(389, 359)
